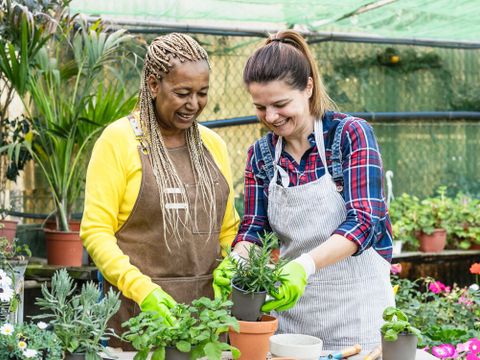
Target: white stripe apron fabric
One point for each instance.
(343, 302)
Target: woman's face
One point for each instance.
(284, 110)
(180, 95)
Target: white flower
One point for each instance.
(5, 280)
(30, 353)
(474, 287)
(6, 293)
(7, 329)
(22, 345)
(42, 325)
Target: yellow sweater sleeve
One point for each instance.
(219, 151)
(113, 181)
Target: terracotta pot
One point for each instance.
(474, 247)
(404, 348)
(63, 248)
(73, 224)
(433, 243)
(252, 339)
(246, 306)
(8, 230)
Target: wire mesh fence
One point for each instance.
(423, 154)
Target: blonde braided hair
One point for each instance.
(158, 61)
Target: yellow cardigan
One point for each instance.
(113, 182)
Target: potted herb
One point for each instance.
(403, 212)
(195, 333)
(29, 341)
(78, 319)
(254, 277)
(399, 337)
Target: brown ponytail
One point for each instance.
(286, 56)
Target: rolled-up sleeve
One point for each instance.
(363, 176)
(255, 221)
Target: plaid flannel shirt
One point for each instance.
(367, 222)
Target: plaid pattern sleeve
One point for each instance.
(255, 221)
(367, 222)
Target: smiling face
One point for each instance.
(283, 109)
(180, 95)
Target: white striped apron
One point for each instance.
(343, 302)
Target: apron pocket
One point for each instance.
(187, 289)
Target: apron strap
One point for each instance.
(137, 130)
(337, 155)
(268, 165)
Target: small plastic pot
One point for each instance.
(246, 306)
(404, 348)
(172, 353)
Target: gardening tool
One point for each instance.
(344, 353)
(374, 354)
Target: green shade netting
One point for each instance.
(450, 20)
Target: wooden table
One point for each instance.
(421, 355)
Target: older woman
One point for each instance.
(159, 197)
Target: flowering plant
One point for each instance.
(29, 341)
(447, 316)
(9, 297)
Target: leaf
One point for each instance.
(183, 346)
(159, 354)
(141, 355)
(213, 351)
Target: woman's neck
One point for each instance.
(174, 140)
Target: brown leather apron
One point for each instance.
(184, 272)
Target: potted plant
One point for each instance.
(78, 319)
(403, 213)
(67, 104)
(399, 337)
(13, 263)
(29, 341)
(434, 221)
(196, 332)
(253, 277)
(466, 222)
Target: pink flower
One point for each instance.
(444, 351)
(465, 301)
(472, 356)
(396, 269)
(474, 346)
(437, 287)
(462, 347)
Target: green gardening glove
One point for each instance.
(160, 302)
(222, 278)
(294, 280)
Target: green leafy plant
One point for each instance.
(465, 221)
(29, 341)
(197, 329)
(444, 314)
(435, 212)
(73, 91)
(258, 273)
(396, 322)
(78, 319)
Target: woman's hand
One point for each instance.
(158, 301)
(294, 280)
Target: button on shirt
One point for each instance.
(367, 222)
